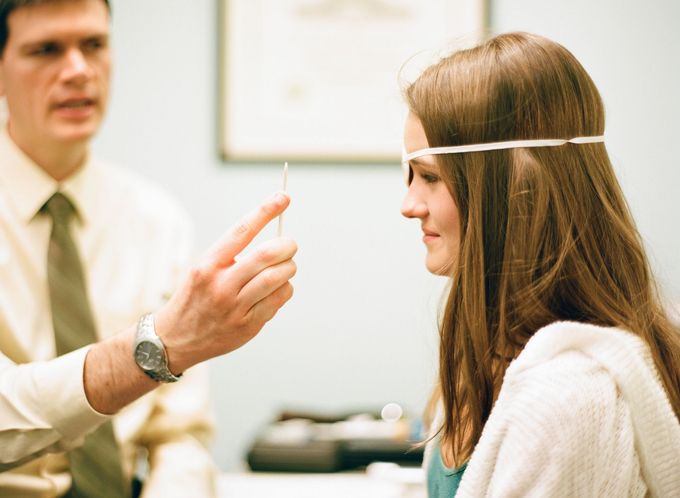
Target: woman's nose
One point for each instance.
(412, 206)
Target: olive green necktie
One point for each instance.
(96, 465)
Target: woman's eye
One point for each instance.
(429, 178)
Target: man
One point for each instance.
(86, 252)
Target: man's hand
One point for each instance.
(223, 303)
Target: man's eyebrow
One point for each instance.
(30, 45)
(97, 34)
(56, 39)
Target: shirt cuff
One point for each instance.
(61, 392)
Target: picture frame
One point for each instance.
(320, 81)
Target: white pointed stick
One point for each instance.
(279, 230)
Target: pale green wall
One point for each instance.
(360, 330)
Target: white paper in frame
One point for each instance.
(319, 80)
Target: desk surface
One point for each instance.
(383, 483)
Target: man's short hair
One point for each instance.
(6, 8)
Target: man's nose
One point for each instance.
(76, 68)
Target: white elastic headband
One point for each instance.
(514, 144)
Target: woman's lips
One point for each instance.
(429, 236)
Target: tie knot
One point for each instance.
(59, 208)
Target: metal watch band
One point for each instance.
(163, 375)
(146, 331)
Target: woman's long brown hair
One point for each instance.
(546, 233)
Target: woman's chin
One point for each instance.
(441, 268)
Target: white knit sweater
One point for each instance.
(581, 413)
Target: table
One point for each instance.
(381, 480)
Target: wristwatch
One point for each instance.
(149, 352)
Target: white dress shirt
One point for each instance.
(134, 242)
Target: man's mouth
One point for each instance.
(76, 103)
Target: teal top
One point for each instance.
(442, 481)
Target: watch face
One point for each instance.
(149, 356)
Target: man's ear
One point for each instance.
(2, 79)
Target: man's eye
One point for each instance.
(93, 44)
(46, 49)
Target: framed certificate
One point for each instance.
(319, 80)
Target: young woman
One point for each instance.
(559, 369)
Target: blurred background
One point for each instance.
(361, 330)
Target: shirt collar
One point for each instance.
(28, 187)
